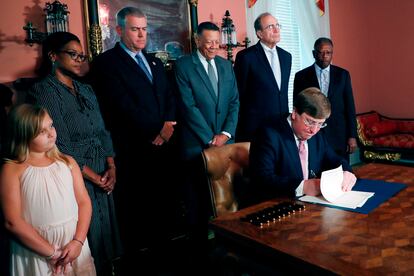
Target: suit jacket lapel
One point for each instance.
(283, 70)
(151, 64)
(311, 155)
(220, 74)
(261, 56)
(199, 68)
(290, 139)
(130, 62)
(313, 78)
(332, 75)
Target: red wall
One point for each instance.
(18, 59)
(374, 40)
(213, 10)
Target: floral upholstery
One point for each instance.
(380, 134)
(381, 128)
(395, 141)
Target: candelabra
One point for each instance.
(56, 21)
(229, 36)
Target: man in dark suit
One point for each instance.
(262, 73)
(335, 83)
(139, 110)
(208, 97)
(287, 157)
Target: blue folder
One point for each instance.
(383, 191)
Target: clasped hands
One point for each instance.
(219, 140)
(165, 133)
(61, 261)
(312, 187)
(106, 181)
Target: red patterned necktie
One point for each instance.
(303, 154)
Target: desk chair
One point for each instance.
(224, 168)
(228, 182)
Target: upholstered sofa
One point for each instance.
(385, 138)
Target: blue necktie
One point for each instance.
(143, 67)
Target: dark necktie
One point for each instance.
(143, 67)
(212, 77)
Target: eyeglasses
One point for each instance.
(75, 56)
(313, 124)
(272, 27)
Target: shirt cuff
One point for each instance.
(299, 189)
(226, 133)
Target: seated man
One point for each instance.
(286, 158)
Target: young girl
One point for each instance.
(74, 109)
(44, 200)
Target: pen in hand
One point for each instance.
(312, 174)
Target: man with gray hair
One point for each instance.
(139, 110)
(262, 73)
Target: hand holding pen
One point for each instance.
(312, 186)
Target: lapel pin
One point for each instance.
(153, 63)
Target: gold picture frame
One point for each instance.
(171, 25)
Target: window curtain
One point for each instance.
(311, 26)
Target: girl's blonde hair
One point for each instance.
(23, 125)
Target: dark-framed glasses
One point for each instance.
(313, 124)
(272, 27)
(75, 56)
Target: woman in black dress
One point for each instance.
(81, 134)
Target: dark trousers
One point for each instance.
(198, 206)
(146, 195)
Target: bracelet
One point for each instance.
(111, 166)
(79, 241)
(51, 256)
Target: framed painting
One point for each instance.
(171, 24)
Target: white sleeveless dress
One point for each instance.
(49, 205)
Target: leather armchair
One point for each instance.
(224, 167)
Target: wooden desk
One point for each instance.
(326, 240)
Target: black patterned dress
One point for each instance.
(81, 134)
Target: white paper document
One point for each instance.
(332, 194)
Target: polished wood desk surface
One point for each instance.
(338, 241)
